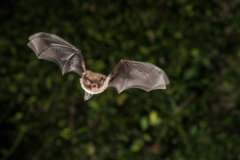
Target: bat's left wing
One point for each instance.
(134, 74)
(53, 48)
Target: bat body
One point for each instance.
(93, 85)
(127, 74)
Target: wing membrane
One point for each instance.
(134, 74)
(53, 48)
(51, 38)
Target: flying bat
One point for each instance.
(127, 74)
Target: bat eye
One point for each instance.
(87, 82)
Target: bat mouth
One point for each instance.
(94, 87)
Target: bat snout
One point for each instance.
(94, 86)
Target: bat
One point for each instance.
(127, 74)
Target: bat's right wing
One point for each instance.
(134, 74)
(53, 48)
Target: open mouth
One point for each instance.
(94, 87)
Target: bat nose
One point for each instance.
(94, 86)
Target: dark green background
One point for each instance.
(43, 115)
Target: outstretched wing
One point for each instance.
(53, 48)
(134, 74)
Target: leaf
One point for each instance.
(144, 123)
(154, 119)
(136, 145)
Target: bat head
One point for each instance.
(93, 82)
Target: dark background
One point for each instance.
(43, 115)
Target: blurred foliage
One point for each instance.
(43, 115)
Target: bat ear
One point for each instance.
(87, 96)
(102, 79)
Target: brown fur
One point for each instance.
(93, 78)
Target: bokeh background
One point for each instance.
(43, 115)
